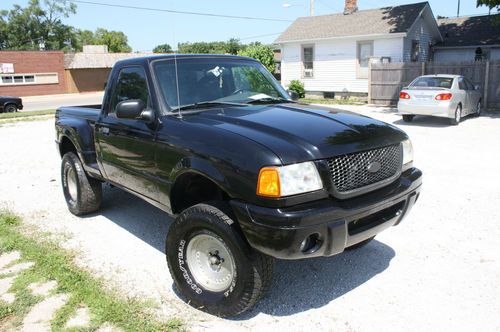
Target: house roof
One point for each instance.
(387, 20)
(470, 30)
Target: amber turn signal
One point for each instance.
(268, 184)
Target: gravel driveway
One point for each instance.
(438, 270)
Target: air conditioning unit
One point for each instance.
(308, 73)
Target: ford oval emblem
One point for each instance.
(374, 167)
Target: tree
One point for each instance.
(36, 26)
(116, 41)
(263, 53)
(489, 3)
(232, 46)
(163, 48)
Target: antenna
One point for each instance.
(175, 65)
(458, 9)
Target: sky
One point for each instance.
(146, 29)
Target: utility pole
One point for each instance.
(311, 8)
(458, 9)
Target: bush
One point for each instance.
(263, 53)
(297, 86)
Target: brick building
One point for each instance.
(32, 73)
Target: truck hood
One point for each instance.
(298, 132)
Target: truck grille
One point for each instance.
(358, 173)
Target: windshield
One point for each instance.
(218, 79)
(432, 82)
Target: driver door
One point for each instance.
(127, 146)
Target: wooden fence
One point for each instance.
(386, 80)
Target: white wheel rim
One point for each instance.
(71, 182)
(210, 262)
(479, 108)
(457, 114)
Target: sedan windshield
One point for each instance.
(432, 82)
(215, 81)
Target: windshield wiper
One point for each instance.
(270, 100)
(205, 104)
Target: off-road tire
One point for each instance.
(360, 244)
(10, 108)
(88, 190)
(408, 117)
(253, 270)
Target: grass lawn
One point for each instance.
(53, 263)
(18, 115)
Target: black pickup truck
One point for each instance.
(249, 173)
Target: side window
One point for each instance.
(461, 84)
(131, 84)
(470, 86)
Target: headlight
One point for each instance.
(407, 154)
(288, 180)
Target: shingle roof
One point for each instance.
(364, 22)
(470, 30)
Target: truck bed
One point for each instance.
(87, 112)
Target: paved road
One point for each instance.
(39, 103)
(437, 271)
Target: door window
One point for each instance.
(469, 84)
(131, 84)
(461, 84)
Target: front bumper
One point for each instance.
(444, 109)
(332, 224)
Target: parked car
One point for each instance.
(10, 104)
(448, 96)
(249, 174)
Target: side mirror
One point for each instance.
(294, 95)
(134, 109)
(477, 87)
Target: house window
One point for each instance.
(23, 79)
(365, 52)
(308, 61)
(415, 50)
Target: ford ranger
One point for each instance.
(249, 174)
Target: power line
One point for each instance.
(179, 12)
(266, 35)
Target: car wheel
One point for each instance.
(458, 116)
(10, 108)
(360, 244)
(478, 109)
(408, 117)
(83, 194)
(211, 263)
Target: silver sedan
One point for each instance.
(448, 96)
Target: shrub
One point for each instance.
(297, 86)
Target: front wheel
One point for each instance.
(83, 194)
(211, 263)
(478, 109)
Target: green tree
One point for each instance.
(116, 41)
(263, 53)
(163, 48)
(36, 26)
(489, 3)
(232, 46)
(297, 86)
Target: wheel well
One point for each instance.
(66, 146)
(9, 103)
(192, 188)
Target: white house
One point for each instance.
(469, 38)
(331, 53)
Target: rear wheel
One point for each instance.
(458, 116)
(211, 263)
(83, 194)
(10, 108)
(408, 117)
